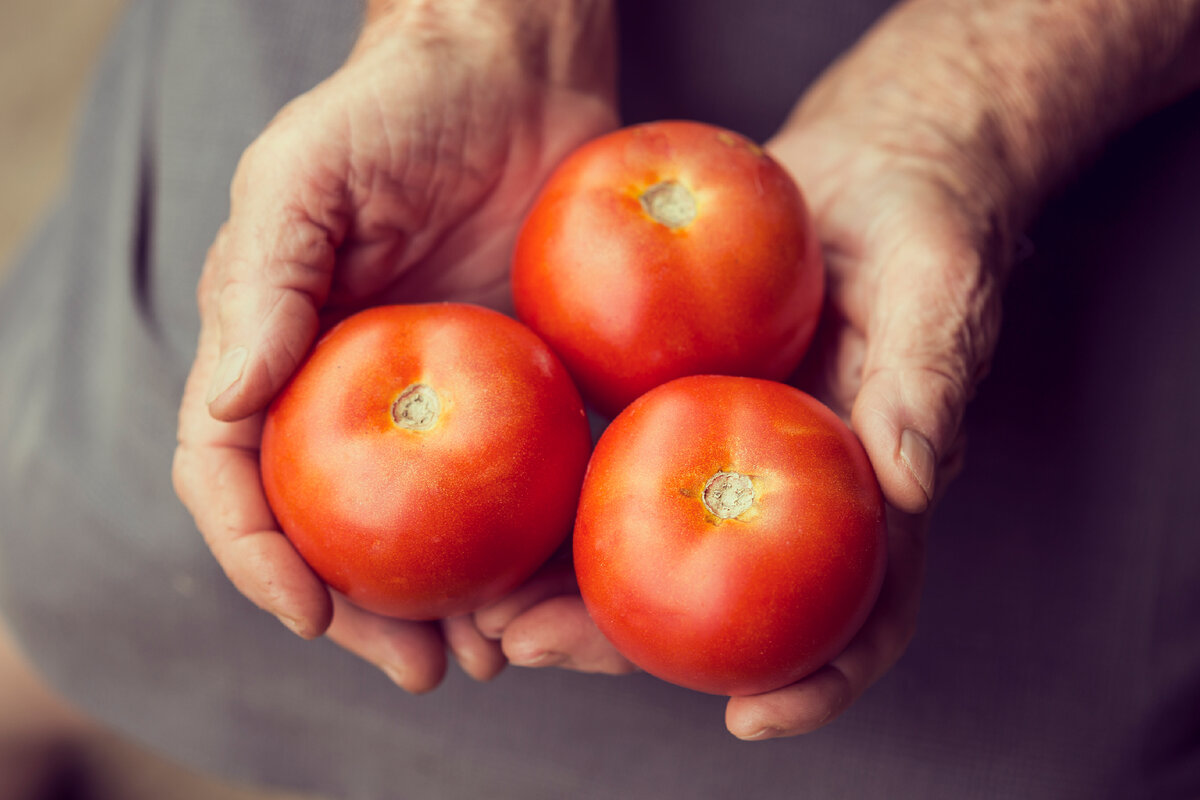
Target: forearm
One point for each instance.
(1012, 96)
(1066, 76)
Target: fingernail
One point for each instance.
(468, 659)
(293, 625)
(395, 674)
(918, 456)
(229, 371)
(760, 734)
(546, 658)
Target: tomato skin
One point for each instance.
(629, 303)
(425, 524)
(729, 606)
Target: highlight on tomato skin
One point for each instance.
(730, 535)
(426, 459)
(668, 249)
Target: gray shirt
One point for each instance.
(1058, 653)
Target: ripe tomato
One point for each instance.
(426, 459)
(730, 535)
(669, 249)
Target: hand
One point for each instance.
(400, 178)
(921, 163)
(917, 250)
(911, 319)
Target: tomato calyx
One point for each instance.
(728, 495)
(669, 203)
(417, 408)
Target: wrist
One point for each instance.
(565, 43)
(1085, 71)
(1003, 101)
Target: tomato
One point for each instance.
(426, 459)
(730, 535)
(669, 249)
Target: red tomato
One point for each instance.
(669, 249)
(730, 535)
(426, 459)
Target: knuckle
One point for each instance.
(181, 475)
(212, 273)
(251, 167)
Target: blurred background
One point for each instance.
(46, 51)
(47, 48)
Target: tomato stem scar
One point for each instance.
(417, 408)
(669, 203)
(728, 494)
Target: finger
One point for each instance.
(551, 581)
(559, 633)
(800, 708)
(930, 339)
(832, 370)
(821, 697)
(271, 272)
(216, 476)
(479, 657)
(411, 654)
(222, 490)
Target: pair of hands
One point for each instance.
(403, 178)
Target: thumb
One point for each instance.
(929, 343)
(265, 280)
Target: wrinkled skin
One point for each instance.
(374, 189)
(916, 253)
(402, 178)
(911, 319)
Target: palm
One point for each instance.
(899, 258)
(423, 206)
(402, 178)
(913, 304)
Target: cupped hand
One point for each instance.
(401, 178)
(916, 247)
